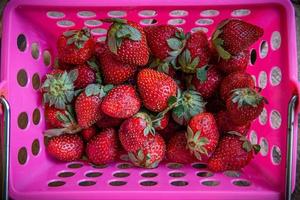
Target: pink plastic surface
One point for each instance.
(265, 177)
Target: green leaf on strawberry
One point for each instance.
(202, 73)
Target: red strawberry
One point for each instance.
(155, 89)
(85, 76)
(233, 36)
(135, 131)
(226, 125)
(177, 149)
(103, 147)
(100, 47)
(244, 105)
(127, 41)
(63, 66)
(233, 153)
(151, 153)
(88, 105)
(121, 102)
(51, 116)
(67, 147)
(236, 63)
(113, 71)
(88, 133)
(172, 128)
(162, 123)
(202, 135)
(107, 122)
(207, 81)
(234, 81)
(75, 46)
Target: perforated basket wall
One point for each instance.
(29, 42)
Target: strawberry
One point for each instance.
(226, 125)
(75, 46)
(113, 71)
(244, 105)
(85, 76)
(177, 149)
(88, 104)
(171, 128)
(100, 47)
(234, 81)
(135, 131)
(106, 121)
(58, 88)
(196, 53)
(88, 133)
(103, 147)
(121, 102)
(233, 36)
(162, 66)
(236, 63)
(161, 123)
(127, 41)
(233, 153)
(202, 135)
(63, 66)
(155, 89)
(51, 116)
(150, 154)
(207, 81)
(67, 147)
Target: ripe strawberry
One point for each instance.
(177, 149)
(162, 123)
(226, 125)
(75, 46)
(233, 153)
(155, 89)
(113, 71)
(135, 131)
(67, 147)
(207, 81)
(234, 81)
(196, 53)
(233, 36)
(244, 105)
(88, 133)
(150, 154)
(236, 63)
(51, 116)
(103, 147)
(127, 41)
(121, 102)
(85, 76)
(63, 66)
(202, 135)
(100, 47)
(88, 105)
(106, 121)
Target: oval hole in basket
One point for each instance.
(21, 42)
(117, 183)
(179, 183)
(232, 174)
(86, 183)
(195, 29)
(253, 137)
(22, 78)
(205, 174)
(93, 23)
(35, 50)
(86, 14)
(204, 22)
(253, 56)
(124, 166)
(55, 14)
(275, 40)
(65, 23)
(148, 22)
(176, 174)
(176, 22)
(263, 117)
(262, 80)
(66, 174)
(121, 174)
(148, 183)
(35, 147)
(36, 116)
(116, 13)
(174, 165)
(99, 166)
(75, 165)
(149, 174)
(240, 12)
(275, 76)
(56, 183)
(22, 155)
(242, 183)
(98, 31)
(178, 13)
(264, 146)
(210, 183)
(36, 82)
(276, 155)
(199, 166)
(209, 13)
(263, 49)
(93, 174)
(275, 119)
(23, 120)
(47, 58)
(147, 13)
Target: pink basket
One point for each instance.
(29, 48)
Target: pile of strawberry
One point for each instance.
(155, 92)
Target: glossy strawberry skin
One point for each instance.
(88, 133)
(163, 123)
(155, 89)
(229, 155)
(114, 71)
(121, 102)
(177, 150)
(51, 116)
(234, 81)
(225, 124)
(85, 76)
(236, 63)
(70, 54)
(106, 121)
(88, 109)
(211, 85)
(67, 147)
(103, 147)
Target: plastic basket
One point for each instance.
(29, 48)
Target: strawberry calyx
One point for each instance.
(161, 65)
(58, 89)
(78, 37)
(246, 97)
(149, 124)
(119, 31)
(97, 90)
(196, 143)
(218, 42)
(142, 160)
(187, 64)
(92, 63)
(247, 146)
(201, 73)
